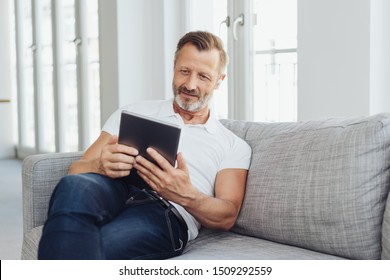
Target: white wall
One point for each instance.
(333, 58)
(109, 60)
(380, 56)
(342, 58)
(6, 122)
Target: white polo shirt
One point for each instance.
(207, 148)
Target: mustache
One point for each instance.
(187, 91)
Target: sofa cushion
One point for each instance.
(221, 245)
(320, 185)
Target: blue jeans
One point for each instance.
(92, 216)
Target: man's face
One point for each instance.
(195, 77)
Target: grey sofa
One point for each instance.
(316, 190)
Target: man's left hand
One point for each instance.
(172, 183)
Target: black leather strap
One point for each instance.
(168, 205)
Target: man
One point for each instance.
(95, 214)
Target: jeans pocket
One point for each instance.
(138, 198)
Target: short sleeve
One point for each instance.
(112, 124)
(238, 156)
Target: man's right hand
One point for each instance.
(105, 156)
(116, 160)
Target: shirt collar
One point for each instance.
(167, 111)
(211, 124)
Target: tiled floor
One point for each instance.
(11, 227)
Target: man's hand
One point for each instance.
(171, 183)
(116, 160)
(105, 156)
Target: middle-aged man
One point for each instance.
(95, 213)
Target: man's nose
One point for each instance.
(191, 82)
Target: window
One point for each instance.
(275, 60)
(57, 75)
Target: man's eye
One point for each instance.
(204, 78)
(184, 71)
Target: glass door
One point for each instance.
(275, 60)
(263, 69)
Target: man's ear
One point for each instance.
(220, 81)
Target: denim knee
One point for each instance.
(88, 192)
(68, 191)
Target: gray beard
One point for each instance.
(193, 107)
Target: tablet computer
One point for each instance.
(141, 132)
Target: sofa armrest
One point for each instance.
(40, 174)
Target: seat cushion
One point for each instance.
(219, 245)
(320, 185)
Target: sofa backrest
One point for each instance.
(320, 185)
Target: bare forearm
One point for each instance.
(84, 166)
(222, 210)
(212, 212)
